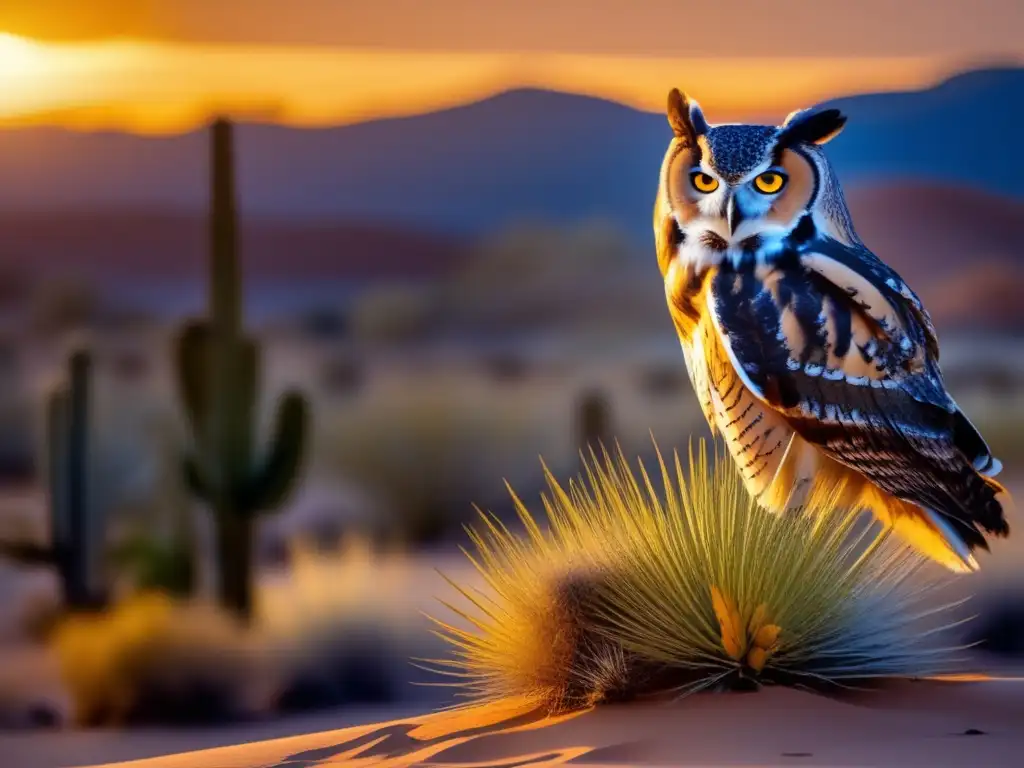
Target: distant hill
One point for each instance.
(523, 154)
(136, 246)
(960, 249)
(986, 298)
(156, 262)
(929, 232)
(965, 130)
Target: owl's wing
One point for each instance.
(905, 329)
(880, 293)
(834, 346)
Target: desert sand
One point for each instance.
(913, 723)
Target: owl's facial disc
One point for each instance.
(738, 217)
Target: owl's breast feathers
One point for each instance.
(686, 293)
(835, 348)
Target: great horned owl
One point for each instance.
(813, 360)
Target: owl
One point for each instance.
(814, 362)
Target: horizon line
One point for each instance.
(135, 86)
(262, 116)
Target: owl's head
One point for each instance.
(737, 192)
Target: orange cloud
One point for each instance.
(153, 87)
(952, 29)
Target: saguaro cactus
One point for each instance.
(68, 443)
(76, 539)
(218, 368)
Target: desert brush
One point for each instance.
(155, 660)
(628, 591)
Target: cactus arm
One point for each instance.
(275, 479)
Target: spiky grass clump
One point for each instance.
(629, 591)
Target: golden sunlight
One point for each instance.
(151, 87)
(17, 55)
(22, 67)
(41, 83)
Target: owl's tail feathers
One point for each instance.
(1003, 499)
(947, 539)
(934, 536)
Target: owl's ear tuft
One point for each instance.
(685, 117)
(809, 126)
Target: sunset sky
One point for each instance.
(164, 65)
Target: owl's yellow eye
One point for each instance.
(769, 182)
(702, 182)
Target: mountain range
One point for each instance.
(520, 155)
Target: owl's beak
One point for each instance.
(733, 215)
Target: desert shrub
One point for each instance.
(424, 456)
(527, 255)
(152, 536)
(156, 563)
(528, 276)
(393, 314)
(336, 629)
(629, 592)
(153, 660)
(339, 628)
(142, 514)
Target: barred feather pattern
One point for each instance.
(821, 367)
